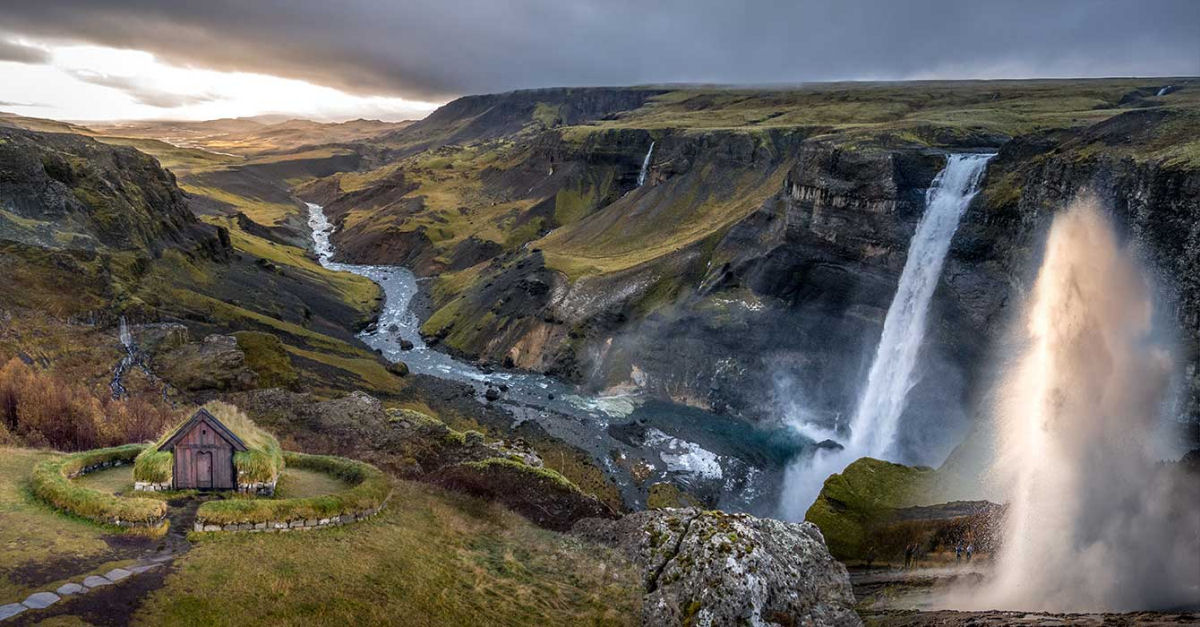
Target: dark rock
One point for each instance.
(214, 364)
(406, 345)
(714, 568)
(398, 368)
(491, 394)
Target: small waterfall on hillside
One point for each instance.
(126, 337)
(1162, 91)
(874, 425)
(1094, 522)
(117, 385)
(645, 166)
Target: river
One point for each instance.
(732, 463)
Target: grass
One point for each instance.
(862, 494)
(32, 532)
(51, 484)
(117, 480)
(370, 488)
(1010, 107)
(264, 459)
(153, 465)
(266, 356)
(296, 483)
(430, 558)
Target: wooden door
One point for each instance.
(204, 470)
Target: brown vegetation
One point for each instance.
(39, 408)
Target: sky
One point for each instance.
(186, 59)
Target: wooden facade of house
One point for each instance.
(203, 451)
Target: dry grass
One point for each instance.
(430, 558)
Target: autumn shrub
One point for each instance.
(38, 408)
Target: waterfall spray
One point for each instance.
(876, 421)
(641, 180)
(1094, 523)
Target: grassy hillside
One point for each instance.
(429, 558)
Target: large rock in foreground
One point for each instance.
(713, 568)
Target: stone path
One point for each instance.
(173, 545)
(42, 600)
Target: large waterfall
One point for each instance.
(645, 166)
(1094, 522)
(876, 420)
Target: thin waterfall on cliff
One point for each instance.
(126, 337)
(645, 166)
(874, 426)
(1094, 521)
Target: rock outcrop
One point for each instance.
(714, 568)
(216, 364)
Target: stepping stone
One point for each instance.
(69, 588)
(38, 600)
(117, 574)
(10, 610)
(95, 581)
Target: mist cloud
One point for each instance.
(433, 49)
(139, 92)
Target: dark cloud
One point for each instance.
(438, 48)
(18, 53)
(139, 92)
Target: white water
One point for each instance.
(876, 421)
(645, 166)
(1094, 523)
(126, 337)
(1163, 91)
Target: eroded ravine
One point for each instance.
(622, 433)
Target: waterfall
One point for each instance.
(126, 337)
(875, 423)
(645, 166)
(1164, 90)
(1094, 522)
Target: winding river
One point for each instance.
(636, 441)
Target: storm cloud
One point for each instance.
(435, 49)
(19, 53)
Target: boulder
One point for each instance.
(398, 368)
(214, 364)
(713, 568)
(406, 345)
(492, 394)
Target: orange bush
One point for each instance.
(38, 408)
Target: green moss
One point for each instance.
(50, 482)
(864, 493)
(544, 474)
(266, 356)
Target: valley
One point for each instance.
(540, 307)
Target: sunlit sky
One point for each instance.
(86, 82)
(131, 59)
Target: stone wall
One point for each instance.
(300, 524)
(261, 488)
